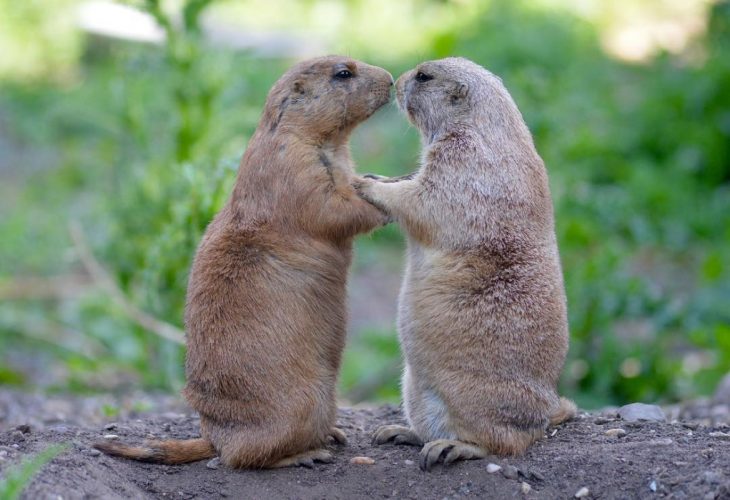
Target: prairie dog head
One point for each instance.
(438, 96)
(323, 99)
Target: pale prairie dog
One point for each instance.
(482, 310)
(266, 311)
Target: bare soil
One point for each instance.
(683, 459)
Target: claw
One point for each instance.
(398, 434)
(454, 454)
(449, 451)
(323, 456)
(306, 459)
(410, 438)
(431, 453)
(338, 435)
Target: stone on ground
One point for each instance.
(636, 412)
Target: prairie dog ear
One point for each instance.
(299, 87)
(461, 90)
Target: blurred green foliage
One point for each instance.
(37, 39)
(19, 477)
(142, 147)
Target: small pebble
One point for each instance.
(721, 435)
(652, 486)
(601, 421)
(213, 463)
(636, 412)
(536, 475)
(525, 488)
(582, 493)
(18, 436)
(552, 434)
(24, 428)
(615, 432)
(492, 468)
(110, 427)
(464, 489)
(94, 452)
(110, 436)
(409, 462)
(510, 472)
(362, 461)
(711, 477)
(661, 442)
(690, 425)
(3, 453)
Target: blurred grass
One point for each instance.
(141, 143)
(18, 478)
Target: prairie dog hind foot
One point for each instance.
(396, 434)
(447, 451)
(305, 459)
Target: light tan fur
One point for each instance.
(482, 311)
(266, 310)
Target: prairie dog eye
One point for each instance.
(423, 77)
(344, 74)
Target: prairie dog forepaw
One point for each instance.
(448, 450)
(382, 178)
(397, 434)
(338, 436)
(363, 187)
(361, 184)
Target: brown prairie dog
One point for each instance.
(482, 312)
(266, 310)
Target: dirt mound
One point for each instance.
(673, 460)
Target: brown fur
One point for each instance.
(482, 311)
(266, 313)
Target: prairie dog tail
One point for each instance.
(566, 410)
(172, 451)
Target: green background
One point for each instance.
(138, 144)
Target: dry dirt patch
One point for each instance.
(651, 460)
